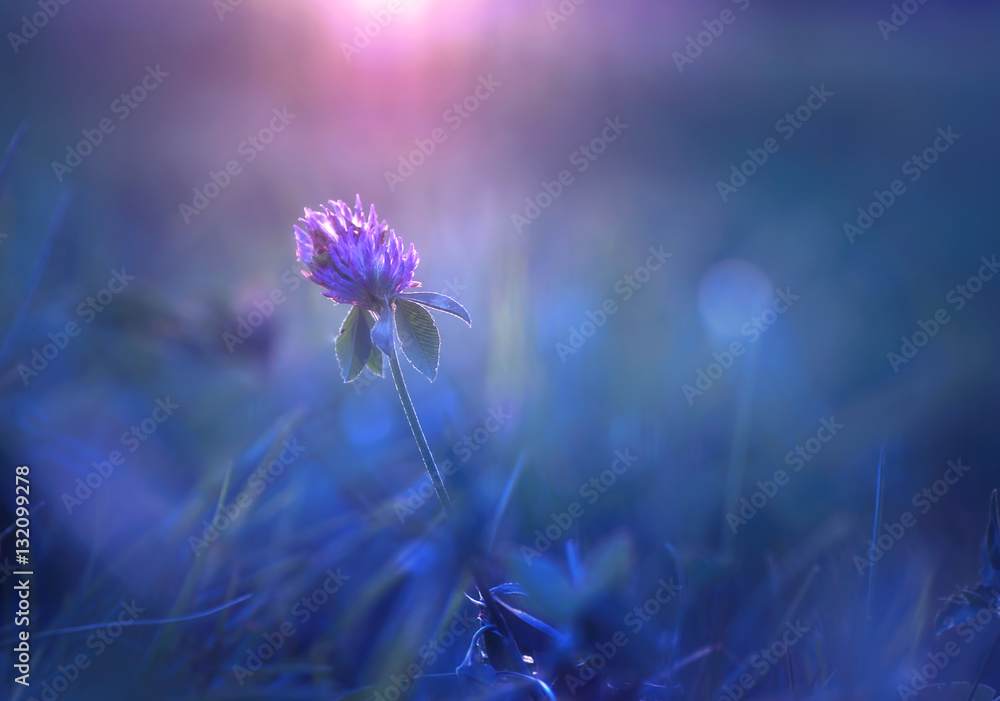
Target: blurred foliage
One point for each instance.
(275, 532)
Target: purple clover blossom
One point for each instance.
(360, 261)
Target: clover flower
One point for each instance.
(360, 261)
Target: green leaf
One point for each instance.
(375, 361)
(418, 337)
(384, 333)
(444, 303)
(354, 344)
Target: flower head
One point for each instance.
(361, 262)
(358, 260)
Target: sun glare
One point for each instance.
(404, 9)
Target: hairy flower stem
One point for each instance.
(492, 608)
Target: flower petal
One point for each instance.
(356, 257)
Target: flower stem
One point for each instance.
(492, 608)
(418, 434)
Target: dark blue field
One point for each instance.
(724, 425)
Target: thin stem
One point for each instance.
(492, 608)
(418, 434)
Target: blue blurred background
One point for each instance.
(618, 193)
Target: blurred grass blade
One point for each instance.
(11, 149)
(36, 274)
